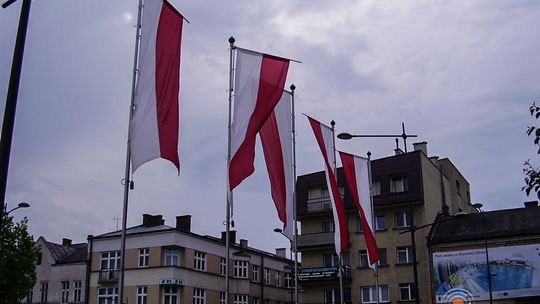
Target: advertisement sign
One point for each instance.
(318, 274)
(515, 272)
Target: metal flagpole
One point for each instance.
(128, 184)
(293, 87)
(333, 124)
(376, 272)
(229, 192)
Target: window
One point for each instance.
(266, 276)
(255, 300)
(403, 219)
(289, 280)
(458, 187)
(330, 260)
(110, 260)
(399, 184)
(170, 295)
(364, 262)
(44, 292)
(144, 255)
(172, 257)
(333, 296)
(241, 269)
(64, 297)
(383, 257)
(199, 261)
(39, 258)
(318, 193)
(142, 294)
(240, 299)
(406, 292)
(380, 222)
(199, 296)
(221, 298)
(255, 273)
(359, 227)
(107, 295)
(29, 297)
(376, 188)
(223, 266)
(277, 278)
(328, 226)
(404, 255)
(77, 291)
(369, 294)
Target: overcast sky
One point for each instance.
(460, 74)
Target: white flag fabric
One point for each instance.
(324, 137)
(154, 126)
(356, 171)
(259, 83)
(276, 138)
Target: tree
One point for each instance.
(18, 255)
(532, 174)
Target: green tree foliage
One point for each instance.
(532, 174)
(18, 255)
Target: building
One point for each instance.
(60, 273)
(404, 184)
(490, 255)
(172, 265)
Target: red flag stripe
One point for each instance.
(169, 37)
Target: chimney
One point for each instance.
(232, 236)
(422, 146)
(152, 220)
(531, 204)
(281, 252)
(66, 242)
(183, 223)
(243, 243)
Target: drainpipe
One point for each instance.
(88, 268)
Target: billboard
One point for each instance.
(515, 272)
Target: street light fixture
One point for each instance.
(20, 205)
(478, 207)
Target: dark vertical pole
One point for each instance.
(413, 245)
(11, 100)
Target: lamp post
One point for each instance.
(20, 205)
(295, 269)
(478, 207)
(11, 100)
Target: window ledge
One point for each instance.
(403, 264)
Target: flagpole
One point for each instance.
(229, 192)
(376, 272)
(127, 181)
(333, 124)
(295, 235)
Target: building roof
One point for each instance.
(487, 225)
(66, 254)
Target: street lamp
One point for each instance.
(20, 205)
(280, 231)
(478, 207)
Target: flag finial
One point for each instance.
(231, 40)
(293, 87)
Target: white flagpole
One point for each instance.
(333, 124)
(376, 272)
(229, 192)
(295, 235)
(127, 181)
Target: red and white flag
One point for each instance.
(259, 83)
(155, 122)
(357, 176)
(276, 138)
(324, 136)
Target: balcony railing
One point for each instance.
(313, 240)
(319, 204)
(109, 276)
